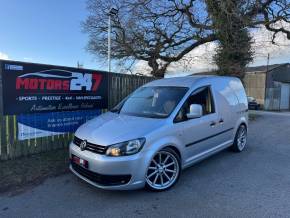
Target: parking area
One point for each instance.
(254, 183)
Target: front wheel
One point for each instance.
(240, 139)
(163, 171)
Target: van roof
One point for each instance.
(186, 81)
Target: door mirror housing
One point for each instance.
(195, 111)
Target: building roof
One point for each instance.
(256, 69)
(263, 68)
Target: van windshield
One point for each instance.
(153, 102)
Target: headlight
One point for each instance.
(126, 148)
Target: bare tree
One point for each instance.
(232, 20)
(164, 31)
(158, 32)
(270, 13)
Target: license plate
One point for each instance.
(80, 161)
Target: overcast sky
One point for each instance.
(50, 32)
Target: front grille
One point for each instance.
(104, 180)
(99, 149)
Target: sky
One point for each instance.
(49, 32)
(45, 32)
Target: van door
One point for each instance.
(199, 135)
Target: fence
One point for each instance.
(120, 85)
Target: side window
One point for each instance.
(202, 96)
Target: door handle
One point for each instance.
(212, 124)
(221, 121)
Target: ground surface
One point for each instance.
(20, 174)
(255, 183)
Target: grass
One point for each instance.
(253, 116)
(18, 174)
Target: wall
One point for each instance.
(255, 85)
(272, 99)
(275, 95)
(278, 74)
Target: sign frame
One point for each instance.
(29, 88)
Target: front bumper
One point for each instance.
(113, 173)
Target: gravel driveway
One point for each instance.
(255, 183)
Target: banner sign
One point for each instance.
(34, 88)
(48, 124)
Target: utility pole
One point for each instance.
(111, 13)
(268, 60)
(79, 65)
(109, 43)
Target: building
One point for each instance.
(270, 85)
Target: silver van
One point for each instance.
(160, 129)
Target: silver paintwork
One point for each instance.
(230, 111)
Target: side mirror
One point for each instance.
(195, 111)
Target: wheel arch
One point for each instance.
(175, 149)
(244, 123)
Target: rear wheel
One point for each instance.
(163, 171)
(240, 139)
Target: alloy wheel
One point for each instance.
(242, 138)
(163, 170)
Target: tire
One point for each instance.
(159, 177)
(240, 141)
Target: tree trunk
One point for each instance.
(158, 70)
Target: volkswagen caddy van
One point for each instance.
(159, 130)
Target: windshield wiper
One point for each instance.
(115, 111)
